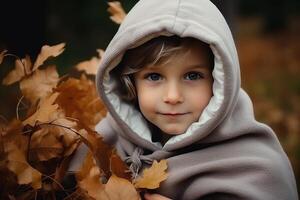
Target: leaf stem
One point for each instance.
(17, 108)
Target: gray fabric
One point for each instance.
(232, 156)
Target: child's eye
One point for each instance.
(153, 77)
(193, 76)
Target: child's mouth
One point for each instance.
(173, 114)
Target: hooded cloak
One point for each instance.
(227, 154)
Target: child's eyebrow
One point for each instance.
(192, 66)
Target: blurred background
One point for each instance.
(266, 35)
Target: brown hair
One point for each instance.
(159, 50)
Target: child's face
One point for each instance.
(172, 96)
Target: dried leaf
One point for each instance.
(79, 99)
(86, 167)
(53, 141)
(2, 54)
(116, 188)
(40, 84)
(22, 68)
(118, 167)
(101, 151)
(44, 111)
(89, 179)
(17, 164)
(117, 12)
(119, 188)
(90, 66)
(46, 52)
(153, 176)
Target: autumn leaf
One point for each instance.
(90, 66)
(44, 111)
(2, 54)
(101, 151)
(17, 164)
(46, 52)
(119, 188)
(117, 12)
(22, 68)
(115, 189)
(45, 145)
(54, 141)
(153, 176)
(40, 84)
(118, 167)
(89, 179)
(86, 167)
(79, 99)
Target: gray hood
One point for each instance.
(204, 22)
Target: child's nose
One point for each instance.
(173, 94)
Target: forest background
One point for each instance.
(266, 35)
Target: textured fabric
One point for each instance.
(229, 155)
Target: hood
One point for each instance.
(199, 19)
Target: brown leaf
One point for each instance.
(115, 189)
(45, 110)
(22, 68)
(118, 167)
(86, 167)
(53, 140)
(89, 179)
(17, 164)
(119, 188)
(40, 84)
(2, 54)
(117, 12)
(101, 151)
(153, 176)
(79, 99)
(90, 66)
(46, 52)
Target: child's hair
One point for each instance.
(159, 50)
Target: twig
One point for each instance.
(55, 181)
(17, 108)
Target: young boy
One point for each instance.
(170, 79)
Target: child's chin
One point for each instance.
(174, 131)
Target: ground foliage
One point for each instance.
(54, 115)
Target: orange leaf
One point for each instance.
(118, 167)
(17, 164)
(79, 99)
(86, 167)
(40, 84)
(88, 179)
(46, 52)
(45, 110)
(115, 189)
(153, 176)
(91, 183)
(117, 12)
(22, 68)
(101, 151)
(90, 66)
(2, 54)
(119, 188)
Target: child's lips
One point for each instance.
(174, 114)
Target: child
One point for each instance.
(170, 79)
